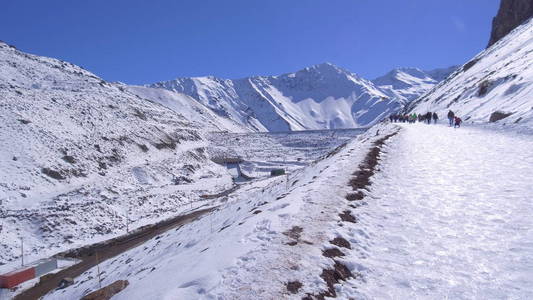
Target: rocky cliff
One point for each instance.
(511, 14)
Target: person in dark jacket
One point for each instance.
(457, 121)
(435, 118)
(428, 117)
(451, 116)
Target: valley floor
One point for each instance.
(446, 214)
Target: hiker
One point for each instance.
(435, 118)
(451, 116)
(428, 117)
(457, 122)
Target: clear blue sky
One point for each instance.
(147, 41)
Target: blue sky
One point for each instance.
(147, 41)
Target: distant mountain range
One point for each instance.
(318, 97)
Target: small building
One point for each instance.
(25, 273)
(222, 160)
(14, 278)
(277, 172)
(231, 163)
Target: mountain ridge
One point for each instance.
(320, 96)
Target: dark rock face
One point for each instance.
(511, 14)
(498, 115)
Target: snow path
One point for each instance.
(450, 216)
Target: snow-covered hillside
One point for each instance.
(188, 107)
(322, 234)
(266, 234)
(499, 79)
(80, 154)
(319, 97)
(407, 84)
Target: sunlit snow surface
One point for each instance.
(450, 217)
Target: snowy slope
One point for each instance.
(407, 84)
(185, 105)
(80, 154)
(319, 97)
(428, 234)
(250, 247)
(498, 79)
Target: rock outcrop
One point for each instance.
(107, 292)
(511, 14)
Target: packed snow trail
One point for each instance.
(450, 216)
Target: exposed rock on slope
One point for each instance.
(511, 14)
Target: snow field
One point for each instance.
(263, 152)
(449, 217)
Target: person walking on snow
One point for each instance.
(428, 117)
(457, 122)
(435, 118)
(451, 116)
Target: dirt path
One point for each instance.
(223, 193)
(359, 182)
(105, 250)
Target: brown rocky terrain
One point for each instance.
(511, 14)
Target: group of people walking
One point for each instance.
(413, 118)
(454, 120)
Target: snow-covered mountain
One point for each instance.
(407, 84)
(317, 97)
(80, 156)
(185, 105)
(498, 82)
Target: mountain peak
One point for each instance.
(409, 83)
(327, 67)
(415, 72)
